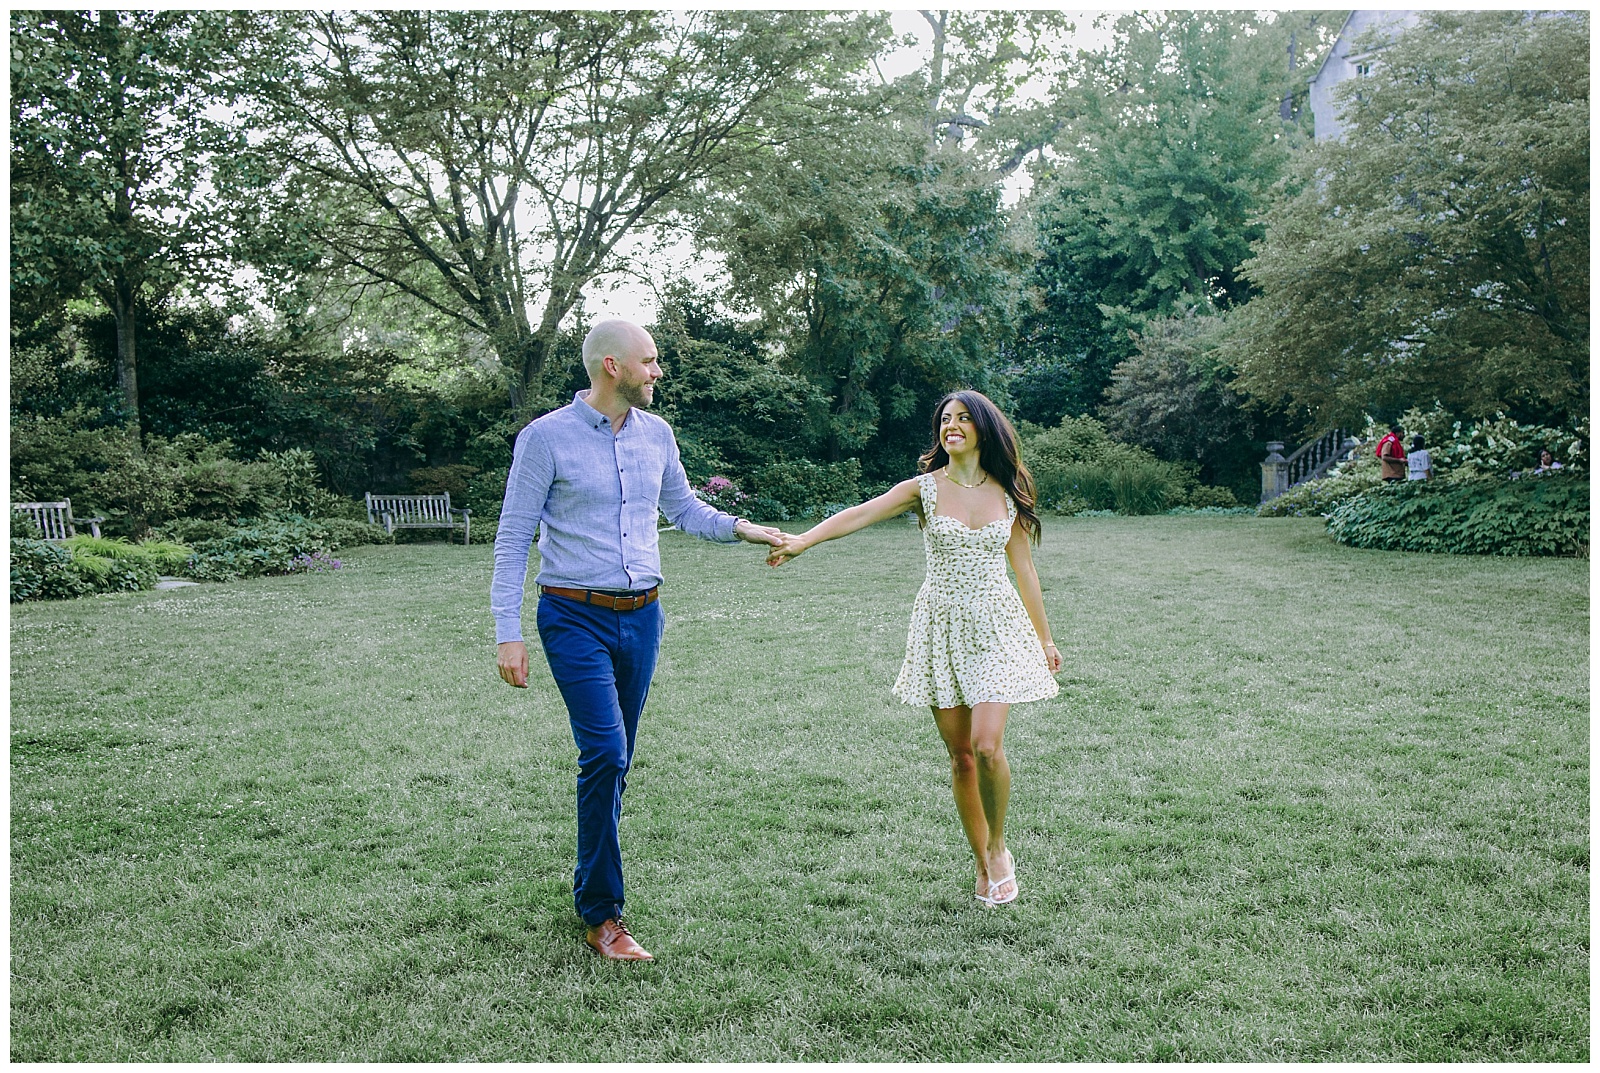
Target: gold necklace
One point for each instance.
(952, 480)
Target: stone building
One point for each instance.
(1341, 64)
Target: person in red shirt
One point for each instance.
(1392, 455)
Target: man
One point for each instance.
(589, 479)
(1392, 456)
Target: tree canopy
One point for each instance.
(1440, 252)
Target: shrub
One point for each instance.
(23, 527)
(723, 494)
(161, 556)
(1320, 497)
(41, 570)
(1208, 496)
(454, 479)
(1546, 515)
(350, 533)
(1139, 487)
(804, 489)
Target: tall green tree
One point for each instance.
(490, 163)
(1175, 139)
(1440, 252)
(111, 151)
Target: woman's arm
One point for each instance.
(1021, 556)
(897, 500)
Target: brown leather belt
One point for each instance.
(600, 599)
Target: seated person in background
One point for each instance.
(1419, 464)
(1547, 462)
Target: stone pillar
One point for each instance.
(1274, 473)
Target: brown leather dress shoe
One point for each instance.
(610, 938)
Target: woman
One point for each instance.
(975, 648)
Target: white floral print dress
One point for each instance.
(971, 640)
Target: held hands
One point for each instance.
(1053, 658)
(759, 534)
(789, 548)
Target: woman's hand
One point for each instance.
(1053, 658)
(791, 547)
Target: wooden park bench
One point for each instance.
(55, 520)
(418, 512)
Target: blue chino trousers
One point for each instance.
(602, 661)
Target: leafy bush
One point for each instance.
(1320, 497)
(784, 491)
(41, 570)
(1547, 515)
(162, 556)
(350, 533)
(1078, 466)
(1217, 511)
(453, 479)
(1141, 487)
(723, 494)
(23, 527)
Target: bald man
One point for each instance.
(589, 479)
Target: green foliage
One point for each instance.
(888, 274)
(685, 99)
(1078, 466)
(41, 570)
(1319, 497)
(1146, 487)
(112, 135)
(1174, 396)
(452, 478)
(1173, 145)
(1545, 515)
(784, 491)
(23, 527)
(733, 403)
(1440, 250)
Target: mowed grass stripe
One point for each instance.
(1295, 801)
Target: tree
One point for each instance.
(111, 148)
(1173, 396)
(489, 163)
(1175, 141)
(1441, 251)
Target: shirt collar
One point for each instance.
(594, 417)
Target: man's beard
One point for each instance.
(634, 394)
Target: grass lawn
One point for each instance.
(1295, 801)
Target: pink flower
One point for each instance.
(718, 484)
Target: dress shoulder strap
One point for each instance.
(930, 494)
(1011, 506)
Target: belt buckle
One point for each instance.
(634, 603)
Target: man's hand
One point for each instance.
(512, 660)
(758, 534)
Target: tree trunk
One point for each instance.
(122, 309)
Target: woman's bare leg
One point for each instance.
(988, 726)
(955, 727)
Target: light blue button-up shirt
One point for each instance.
(592, 498)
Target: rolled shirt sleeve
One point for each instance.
(685, 510)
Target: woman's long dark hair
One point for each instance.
(999, 454)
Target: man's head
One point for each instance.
(620, 356)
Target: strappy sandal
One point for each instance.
(995, 884)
